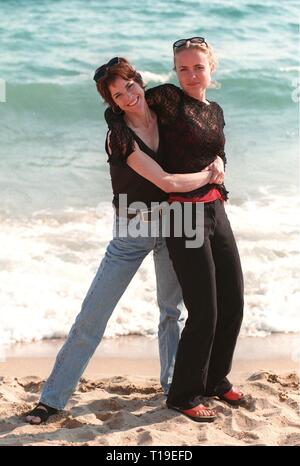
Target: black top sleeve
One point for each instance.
(222, 124)
(121, 138)
(165, 101)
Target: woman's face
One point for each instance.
(128, 95)
(193, 70)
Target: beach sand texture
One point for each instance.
(130, 410)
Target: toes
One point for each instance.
(36, 420)
(206, 413)
(33, 419)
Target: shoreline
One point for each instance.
(131, 355)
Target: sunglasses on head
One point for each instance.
(193, 40)
(101, 71)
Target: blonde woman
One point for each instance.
(211, 275)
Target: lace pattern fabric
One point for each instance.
(192, 133)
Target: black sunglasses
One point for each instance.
(101, 71)
(193, 40)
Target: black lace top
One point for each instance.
(192, 133)
(124, 179)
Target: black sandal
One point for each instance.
(43, 414)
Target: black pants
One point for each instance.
(212, 284)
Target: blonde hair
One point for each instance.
(208, 50)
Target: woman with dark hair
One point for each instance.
(210, 275)
(118, 81)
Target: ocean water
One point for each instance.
(55, 209)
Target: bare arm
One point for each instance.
(168, 182)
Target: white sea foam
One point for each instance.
(268, 237)
(159, 78)
(49, 261)
(289, 68)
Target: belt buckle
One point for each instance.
(143, 214)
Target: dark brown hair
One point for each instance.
(124, 70)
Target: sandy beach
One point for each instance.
(56, 213)
(119, 400)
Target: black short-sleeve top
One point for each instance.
(124, 179)
(191, 132)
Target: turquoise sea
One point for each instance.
(55, 194)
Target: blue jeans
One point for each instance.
(122, 259)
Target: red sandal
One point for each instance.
(234, 397)
(199, 413)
